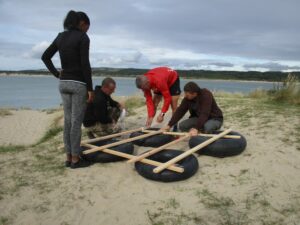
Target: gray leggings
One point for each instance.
(210, 125)
(74, 96)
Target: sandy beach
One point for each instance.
(260, 186)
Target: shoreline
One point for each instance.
(129, 77)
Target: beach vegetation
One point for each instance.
(4, 220)
(52, 132)
(286, 92)
(5, 112)
(133, 103)
(12, 148)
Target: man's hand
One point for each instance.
(193, 132)
(91, 96)
(121, 105)
(160, 118)
(165, 129)
(149, 121)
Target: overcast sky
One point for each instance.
(193, 34)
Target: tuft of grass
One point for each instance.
(211, 201)
(4, 221)
(52, 110)
(5, 112)
(286, 92)
(225, 208)
(133, 103)
(163, 217)
(223, 94)
(173, 203)
(289, 91)
(52, 132)
(12, 148)
(48, 164)
(259, 94)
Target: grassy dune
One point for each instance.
(35, 186)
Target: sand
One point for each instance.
(25, 127)
(260, 186)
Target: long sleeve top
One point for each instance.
(160, 79)
(97, 111)
(202, 106)
(73, 48)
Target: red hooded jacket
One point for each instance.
(160, 80)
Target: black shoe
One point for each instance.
(80, 164)
(67, 163)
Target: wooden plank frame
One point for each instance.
(142, 158)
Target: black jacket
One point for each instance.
(73, 47)
(97, 111)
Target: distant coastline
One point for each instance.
(132, 77)
(269, 76)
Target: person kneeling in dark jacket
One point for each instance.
(102, 114)
(205, 115)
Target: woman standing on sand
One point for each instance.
(75, 84)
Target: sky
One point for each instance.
(261, 35)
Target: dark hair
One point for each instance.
(83, 17)
(192, 87)
(71, 21)
(107, 81)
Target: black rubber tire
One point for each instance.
(152, 141)
(190, 165)
(221, 148)
(103, 157)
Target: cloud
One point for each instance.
(169, 31)
(37, 50)
(221, 64)
(271, 66)
(117, 59)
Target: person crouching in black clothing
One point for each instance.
(103, 113)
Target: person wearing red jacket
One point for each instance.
(164, 82)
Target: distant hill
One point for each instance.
(190, 74)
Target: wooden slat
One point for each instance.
(146, 161)
(200, 134)
(120, 142)
(111, 136)
(189, 152)
(155, 150)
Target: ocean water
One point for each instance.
(41, 92)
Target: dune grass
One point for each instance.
(286, 92)
(12, 148)
(5, 112)
(132, 103)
